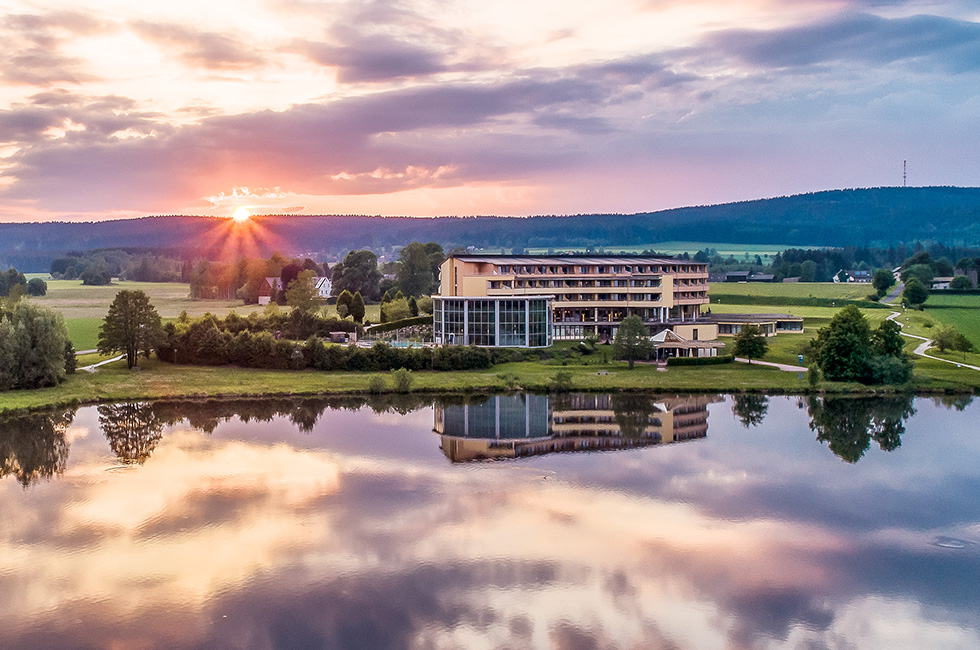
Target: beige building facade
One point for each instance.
(590, 295)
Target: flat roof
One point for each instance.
(534, 260)
(746, 318)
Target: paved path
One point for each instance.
(895, 293)
(781, 366)
(926, 344)
(94, 366)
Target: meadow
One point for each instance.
(84, 307)
(739, 251)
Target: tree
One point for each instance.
(959, 283)
(886, 340)
(922, 272)
(397, 309)
(302, 294)
(32, 347)
(632, 340)
(808, 271)
(36, 287)
(131, 325)
(750, 342)
(358, 273)
(843, 347)
(847, 350)
(418, 266)
(882, 281)
(915, 293)
(96, 275)
(413, 306)
(357, 308)
(344, 301)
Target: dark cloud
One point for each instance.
(930, 41)
(199, 48)
(309, 144)
(376, 58)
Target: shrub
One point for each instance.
(561, 382)
(700, 361)
(401, 380)
(376, 384)
(38, 287)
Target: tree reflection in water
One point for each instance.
(849, 424)
(633, 412)
(33, 446)
(132, 429)
(750, 409)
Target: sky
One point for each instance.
(112, 109)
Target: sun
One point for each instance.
(241, 214)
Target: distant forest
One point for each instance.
(881, 218)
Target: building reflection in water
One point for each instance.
(516, 426)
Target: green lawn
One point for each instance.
(83, 332)
(678, 247)
(831, 290)
(84, 307)
(960, 311)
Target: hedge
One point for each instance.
(700, 361)
(381, 328)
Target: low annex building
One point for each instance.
(531, 301)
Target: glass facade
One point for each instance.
(493, 322)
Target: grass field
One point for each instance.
(831, 290)
(961, 311)
(84, 307)
(677, 247)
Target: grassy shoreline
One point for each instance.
(159, 380)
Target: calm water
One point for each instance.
(704, 522)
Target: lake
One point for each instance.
(514, 521)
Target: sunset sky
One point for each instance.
(436, 107)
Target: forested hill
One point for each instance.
(862, 217)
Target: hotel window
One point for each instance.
(482, 319)
(513, 323)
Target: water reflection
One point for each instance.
(33, 446)
(849, 424)
(517, 426)
(339, 523)
(750, 409)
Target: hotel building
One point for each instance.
(506, 300)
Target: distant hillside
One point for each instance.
(865, 217)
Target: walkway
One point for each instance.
(782, 366)
(926, 344)
(94, 366)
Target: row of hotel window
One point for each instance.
(622, 297)
(565, 270)
(557, 284)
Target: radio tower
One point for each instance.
(905, 172)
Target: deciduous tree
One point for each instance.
(301, 294)
(132, 325)
(750, 342)
(915, 293)
(632, 340)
